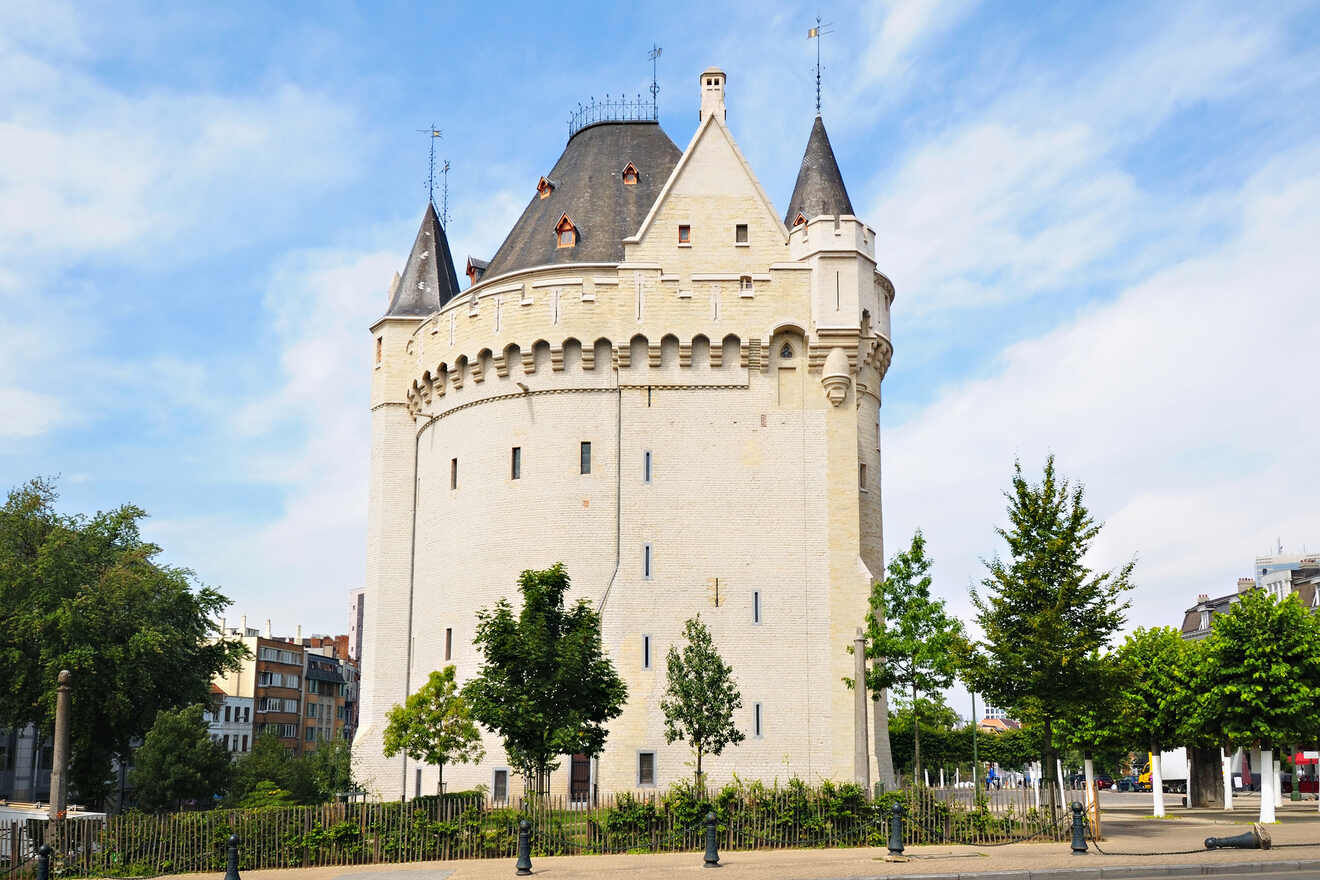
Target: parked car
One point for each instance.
(1129, 783)
(1104, 781)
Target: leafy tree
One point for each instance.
(87, 594)
(1101, 726)
(272, 761)
(1262, 676)
(434, 726)
(330, 768)
(910, 637)
(545, 685)
(701, 697)
(1043, 612)
(267, 794)
(178, 762)
(1157, 685)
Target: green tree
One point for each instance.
(330, 768)
(1262, 678)
(1158, 672)
(911, 640)
(701, 697)
(434, 726)
(88, 594)
(1043, 611)
(272, 761)
(178, 762)
(545, 685)
(1101, 726)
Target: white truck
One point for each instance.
(1173, 771)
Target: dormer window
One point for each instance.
(800, 219)
(629, 174)
(566, 234)
(544, 187)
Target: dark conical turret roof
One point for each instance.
(819, 188)
(586, 184)
(429, 280)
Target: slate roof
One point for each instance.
(589, 188)
(429, 280)
(819, 188)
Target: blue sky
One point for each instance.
(1101, 220)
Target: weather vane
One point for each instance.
(654, 55)
(820, 30)
(435, 134)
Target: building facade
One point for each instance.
(1280, 576)
(672, 388)
(229, 721)
(357, 607)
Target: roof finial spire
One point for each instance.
(444, 193)
(654, 55)
(435, 134)
(820, 30)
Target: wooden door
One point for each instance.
(579, 776)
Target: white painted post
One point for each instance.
(1035, 781)
(1156, 784)
(1089, 768)
(957, 776)
(1278, 783)
(1266, 786)
(925, 772)
(1227, 761)
(941, 777)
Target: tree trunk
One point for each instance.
(916, 735)
(440, 781)
(1088, 766)
(698, 766)
(1266, 783)
(1227, 760)
(1051, 762)
(1204, 777)
(1156, 781)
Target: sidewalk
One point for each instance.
(1124, 832)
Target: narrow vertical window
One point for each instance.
(646, 466)
(756, 606)
(380, 342)
(515, 463)
(646, 768)
(449, 642)
(453, 473)
(585, 462)
(646, 561)
(499, 790)
(756, 720)
(740, 233)
(861, 475)
(646, 652)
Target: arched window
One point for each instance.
(629, 174)
(786, 352)
(566, 234)
(745, 284)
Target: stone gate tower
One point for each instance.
(660, 382)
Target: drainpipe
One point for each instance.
(412, 571)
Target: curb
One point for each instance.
(1118, 871)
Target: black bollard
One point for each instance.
(1079, 830)
(712, 854)
(524, 865)
(896, 831)
(1256, 838)
(43, 862)
(231, 869)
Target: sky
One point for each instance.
(1102, 222)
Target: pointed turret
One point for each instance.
(819, 189)
(429, 280)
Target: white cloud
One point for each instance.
(1183, 405)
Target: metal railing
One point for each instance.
(612, 108)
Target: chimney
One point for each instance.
(268, 635)
(222, 626)
(298, 638)
(1203, 597)
(243, 623)
(712, 94)
(1245, 584)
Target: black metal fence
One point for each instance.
(612, 108)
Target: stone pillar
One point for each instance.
(861, 761)
(59, 774)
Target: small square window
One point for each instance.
(567, 238)
(453, 473)
(515, 463)
(645, 768)
(585, 462)
(745, 283)
(684, 234)
(740, 233)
